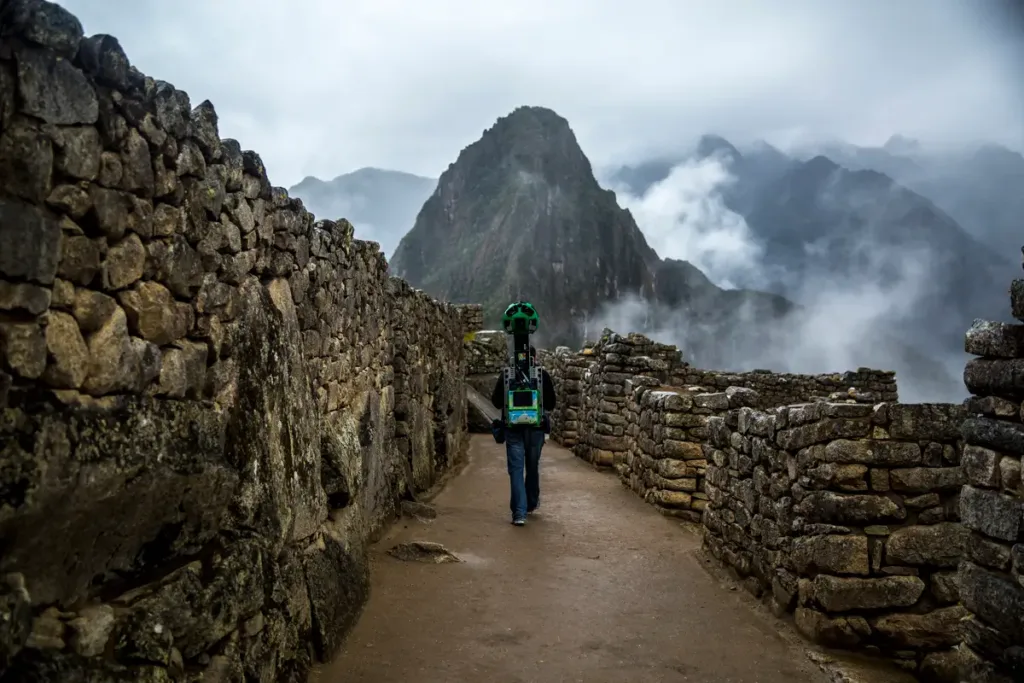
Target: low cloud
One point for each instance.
(843, 322)
(684, 217)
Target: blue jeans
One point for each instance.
(522, 450)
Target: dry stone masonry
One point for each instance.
(992, 502)
(848, 514)
(779, 389)
(209, 401)
(879, 527)
(666, 463)
(567, 371)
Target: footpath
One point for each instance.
(596, 588)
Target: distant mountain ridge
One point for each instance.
(850, 219)
(381, 204)
(827, 234)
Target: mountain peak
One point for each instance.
(520, 214)
(901, 144)
(820, 165)
(381, 203)
(307, 183)
(535, 119)
(715, 145)
(530, 144)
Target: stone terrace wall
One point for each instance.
(209, 402)
(992, 504)
(472, 317)
(666, 462)
(780, 389)
(617, 361)
(591, 389)
(567, 372)
(848, 514)
(486, 354)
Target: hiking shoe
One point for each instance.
(519, 521)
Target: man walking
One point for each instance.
(522, 449)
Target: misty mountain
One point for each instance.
(520, 215)
(815, 219)
(822, 223)
(854, 244)
(381, 204)
(754, 170)
(981, 188)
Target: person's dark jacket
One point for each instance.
(548, 392)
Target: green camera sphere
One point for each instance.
(520, 317)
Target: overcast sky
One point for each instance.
(323, 87)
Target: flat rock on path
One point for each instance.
(423, 551)
(418, 510)
(598, 588)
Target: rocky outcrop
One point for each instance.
(520, 215)
(505, 221)
(210, 400)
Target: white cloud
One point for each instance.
(684, 217)
(845, 321)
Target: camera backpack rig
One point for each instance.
(524, 388)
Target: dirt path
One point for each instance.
(598, 588)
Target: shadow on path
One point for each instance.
(598, 588)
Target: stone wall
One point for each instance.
(666, 429)
(472, 317)
(592, 395)
(567, 371)
(210, 401)
(992, 503)
(612, 363)
(780, 389)
(486, 354)
(848, 514)
(827, 498)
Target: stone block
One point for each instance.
(822, 431)
(24, 297)
(842, 477)
(981, 466)
(994, 598)
(68, 351)
(925, 479)
(682, 450)
(992, 513)
(830, 554)
(30, 242)
(23, 348)
(932, 630)
(1000, 377)
(842, 594)
(995, 340)
(935, 545)
(836, 508)
(1000, 435)
(820, 628)
(871, 452)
